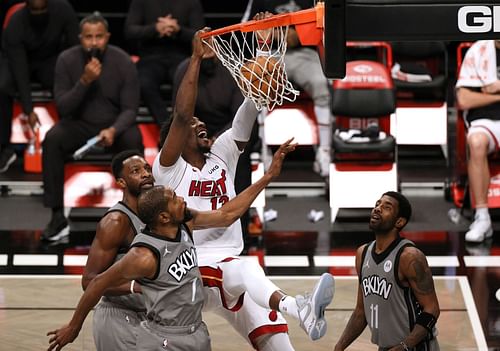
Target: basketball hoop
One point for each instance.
(253, 52)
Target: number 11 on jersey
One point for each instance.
(374, 316)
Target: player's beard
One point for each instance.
(187, 215)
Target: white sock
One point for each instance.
(288, 305)
(482, 213)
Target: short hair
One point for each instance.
(94, 18)
(150, 204)
(165, 128)
(404, 206)
(119, 158)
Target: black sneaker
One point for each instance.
(7, 157)
(57, 229)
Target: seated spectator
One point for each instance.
(217, 102)
(478, 92)
(164, 30)
(303, 67)
(97, 93)
(31, 42)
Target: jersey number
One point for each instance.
(218, 200)
(374, 316)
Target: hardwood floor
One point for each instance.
(32, 305)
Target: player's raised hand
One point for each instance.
(275, 167)
(200, 49)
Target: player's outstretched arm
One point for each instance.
(235, 208)
(415, 270)
(139, 262)
(184, 105)
(357, 322)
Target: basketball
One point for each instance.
(262, 77)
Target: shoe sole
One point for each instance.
(486, 235)
(8, 163)
(61, 234)
(322, 297)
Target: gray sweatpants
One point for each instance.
(303, 67)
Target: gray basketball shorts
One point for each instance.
(116, 328)
(153, 337)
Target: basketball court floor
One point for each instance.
(40, 284)
(32, 305)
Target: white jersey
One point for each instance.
(208, 189)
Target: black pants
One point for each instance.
(41, 72)
(152, 74)
(65, 138)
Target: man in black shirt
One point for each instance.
(97, 93)
(31, 42)
(164, 30)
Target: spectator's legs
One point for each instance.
(151, 75)
(478, 142)
(129, 139)
(60, 141)
(304, 68)
(7, 155)
(44, 72)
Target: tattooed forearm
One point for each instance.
(423, 276)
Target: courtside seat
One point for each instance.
(364, 153)
(421, 90)
(421, 58)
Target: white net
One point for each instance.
(255, 59)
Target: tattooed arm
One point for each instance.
(414, 271)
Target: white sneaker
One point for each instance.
(479, 230)
(322, 163)
(312, 307)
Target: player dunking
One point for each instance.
(163, 258)
(118, 314)
(203, 174)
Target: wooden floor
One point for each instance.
(32, 305)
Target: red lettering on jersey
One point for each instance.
(208, 188)
(194, 188)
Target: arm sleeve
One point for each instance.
(129, 99)
(244, 120)
(196, 22)
(68, 94)
(253, 7)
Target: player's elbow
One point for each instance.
(463, 99)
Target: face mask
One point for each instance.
(40, 20)
(94, 52)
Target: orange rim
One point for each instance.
(313, 15)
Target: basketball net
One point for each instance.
(255, 59)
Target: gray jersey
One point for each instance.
(174, 297)
(134, 302)
(391, 309)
